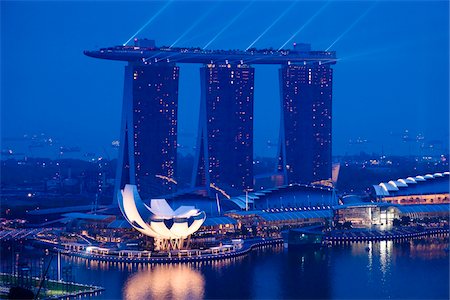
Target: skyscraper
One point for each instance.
(148, 143)
(224, 158)
(305, 132)
(225, 140)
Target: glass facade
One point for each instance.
(150, 139)
(225, 146)
(305, 133)
(367, 216)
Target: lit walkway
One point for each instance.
(375, 234)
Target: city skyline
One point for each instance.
(148, 143)
(371, 54)
(225, 149)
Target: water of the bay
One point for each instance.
(410, 269)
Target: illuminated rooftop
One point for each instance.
(147, 52)
(419, 185)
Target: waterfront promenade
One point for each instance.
(391, 263)
(214, 253)
(381, 235)
(227, 251)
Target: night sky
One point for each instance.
(393, 74)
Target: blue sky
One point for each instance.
(393, 73)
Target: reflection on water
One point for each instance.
(409, 268)
(165, 282)
(385, 258)
(435, 248)
(136, 266)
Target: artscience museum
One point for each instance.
(170, 229)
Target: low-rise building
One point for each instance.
(426, 189)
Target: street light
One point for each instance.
(246, 199)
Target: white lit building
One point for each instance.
(170, 229)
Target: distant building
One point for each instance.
(305, 132)
(225, 139)
(148, 143)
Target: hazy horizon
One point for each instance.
(392, 75)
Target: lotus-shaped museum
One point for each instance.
(169, 228)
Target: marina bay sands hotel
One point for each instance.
(224, 158)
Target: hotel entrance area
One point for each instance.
(366, 216)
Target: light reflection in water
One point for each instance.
(433, 248)
(369, 248)
(385, 258)
(135, 266)
(302, 265)
(165, 281)
(381, 272)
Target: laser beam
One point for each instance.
(351, 26)
(228, 25)
(206, 32)
(148, 22)
(304, 25)
(273, 24)
(194, 25)
(376, 51)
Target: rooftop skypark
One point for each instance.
(146, 51)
